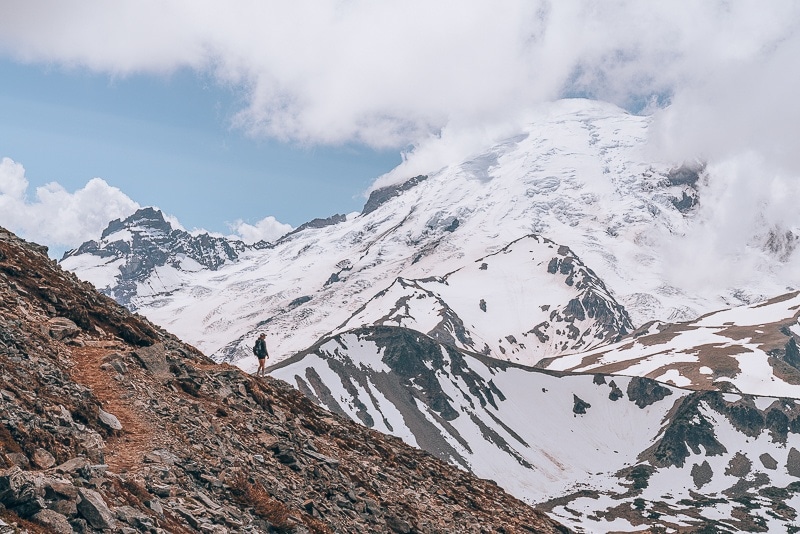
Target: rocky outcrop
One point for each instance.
(317, 223)
(123, 428)
(384, 194)
(579, 313)
(686, 177)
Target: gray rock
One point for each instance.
(155, 505)
(72, 465)
(793, 462)
(61, 328)
(93, 445)
(18, 459)
(768, 461)
(58, 489)
(94, 509)
(17, 487)
(52, 521)
(188, 516)
(132, 516)
(65, 507)
(30, 507)
(109, 420)
(398, 525)
(43, 459)
(702, 474)
(154, 359)
(119, 366)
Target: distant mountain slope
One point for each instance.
(749, 349)
(600, 452)
(532, 297)
(109, 424)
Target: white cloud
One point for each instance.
(747, 226)
(392, 72)
(55, 216)
(267, 229)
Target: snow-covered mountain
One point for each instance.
(598, 452)
(578, 175)
(138, 256)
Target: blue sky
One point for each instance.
(251, 116)
(167, 140)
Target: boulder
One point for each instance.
(94, 509)
(154, 359)
(61, 328)
(109, 420)
(52, 521)
(43, 459)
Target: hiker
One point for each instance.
(260, 350)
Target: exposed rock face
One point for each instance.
(202, 447)
(686, 177)
(644, 391)
(318, 223)
(475, 308)
(380, 196)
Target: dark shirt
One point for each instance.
(261, 349)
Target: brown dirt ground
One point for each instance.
(125, 449)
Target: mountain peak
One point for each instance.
(148, 217)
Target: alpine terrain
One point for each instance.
(513, 314)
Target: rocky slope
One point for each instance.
(108, 423)
(599, 452)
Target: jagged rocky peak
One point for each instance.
(148, 217)
(110, 424)
(318, 223)
(131, 250)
